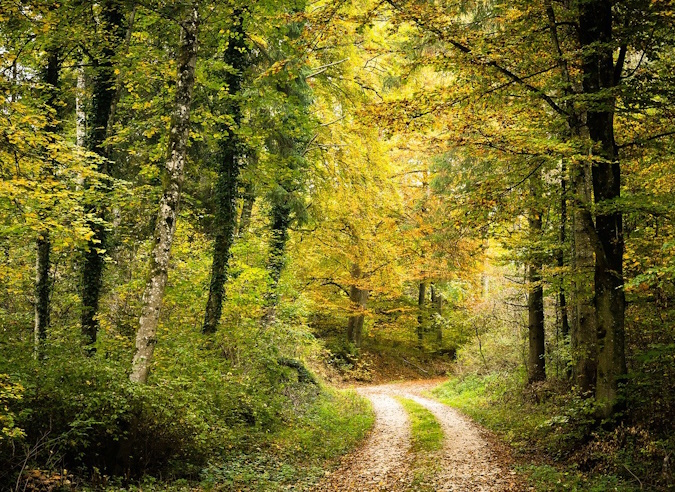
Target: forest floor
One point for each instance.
(471, 459)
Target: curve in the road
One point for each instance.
(469, 462)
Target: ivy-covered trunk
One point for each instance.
(281, 220)
(102, 102)
(599, 77)
(44, 245)
(168, 205)
(228, 179)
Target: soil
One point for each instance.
(471, 459)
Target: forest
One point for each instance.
(299, 245)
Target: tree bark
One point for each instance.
(44, 245)
(437, 302)
(358, 299)
(562, 297)
(228, 180)
(421, 299)
(595, 36)
(536, 361)
(103, 95)
(583, 338)
(246, 209)
(169, 202)
(281, 220)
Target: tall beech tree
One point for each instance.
(167, 215)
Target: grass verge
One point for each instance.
(542, 426)
(295, 455)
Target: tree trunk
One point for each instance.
(536, 361)
(562, 298)
(437, 303)
(358, 298)
(103, 95)
(44, 245)
(421, 299)
(246, 209)
(168, 205)
(281, 220)
(228, 181)
(599, 76)
(583, 335)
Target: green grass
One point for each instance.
(427, 435)
(426, 442)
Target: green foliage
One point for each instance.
(323, 429)
(9, 392)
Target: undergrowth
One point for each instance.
(556, 430)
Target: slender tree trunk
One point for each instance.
(437, 302)
(562, 298)
(228, 181)
(42, 287)
(44, 245)
(421, 299)
(536, 361)
(599, 76)
(358, 298)
(246, 209)
(80, 112)
(103, 95)
(168, 205)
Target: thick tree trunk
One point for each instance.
(168, 205)
(599, 76)
(44, 245)
(536, 361)
(228, 181)
(103, 95)
(358, 299)
(583, 338)
(281, 220)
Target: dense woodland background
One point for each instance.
(210, 210)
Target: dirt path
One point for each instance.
(471, 461)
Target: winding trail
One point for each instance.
(471, 461)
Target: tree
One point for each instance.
(112, 31)
(168, 206)
(229, 162)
